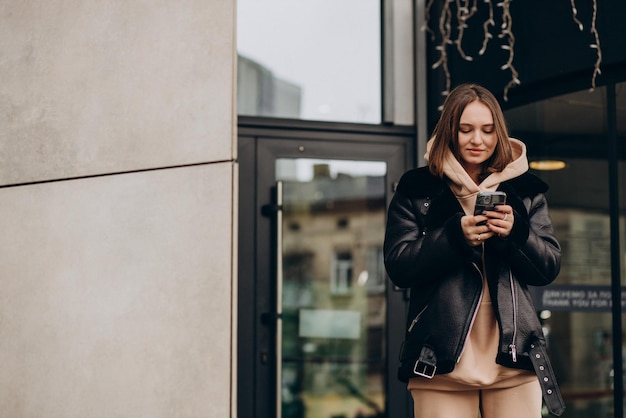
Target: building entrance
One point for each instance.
(319, 325)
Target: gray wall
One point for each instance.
(118, 181)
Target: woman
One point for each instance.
(473, 341)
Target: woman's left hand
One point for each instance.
(501, 220)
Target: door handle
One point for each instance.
(274, 319)
(279, 297)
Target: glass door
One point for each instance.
(332, 288)
(320, 328)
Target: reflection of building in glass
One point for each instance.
(334, 293)
(260, 93)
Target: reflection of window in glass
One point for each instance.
(304, 169)
(297, 279)
(315, 60)
(374, 276)
(341, 273)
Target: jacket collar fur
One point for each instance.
(420, 184)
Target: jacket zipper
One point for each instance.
(480, 299)
(512, 348)
(417, 318)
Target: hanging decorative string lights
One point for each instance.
(596, 46)
(465, 9)
(596, 36)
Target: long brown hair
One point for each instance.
(447, 129)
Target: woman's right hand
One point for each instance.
(475, 229)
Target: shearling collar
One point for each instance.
(419, 183)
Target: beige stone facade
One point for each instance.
(118, 181)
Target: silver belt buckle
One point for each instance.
(424, 369)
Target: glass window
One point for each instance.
(317, 60)
(576, 310)
(333, 302)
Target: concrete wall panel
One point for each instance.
(117, 295)
(112, 86)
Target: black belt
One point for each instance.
(426, 366)
(549, 388)
(426, 363)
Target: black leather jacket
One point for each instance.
(425, 251)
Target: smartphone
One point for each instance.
(488, 201)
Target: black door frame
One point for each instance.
(260, 143)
